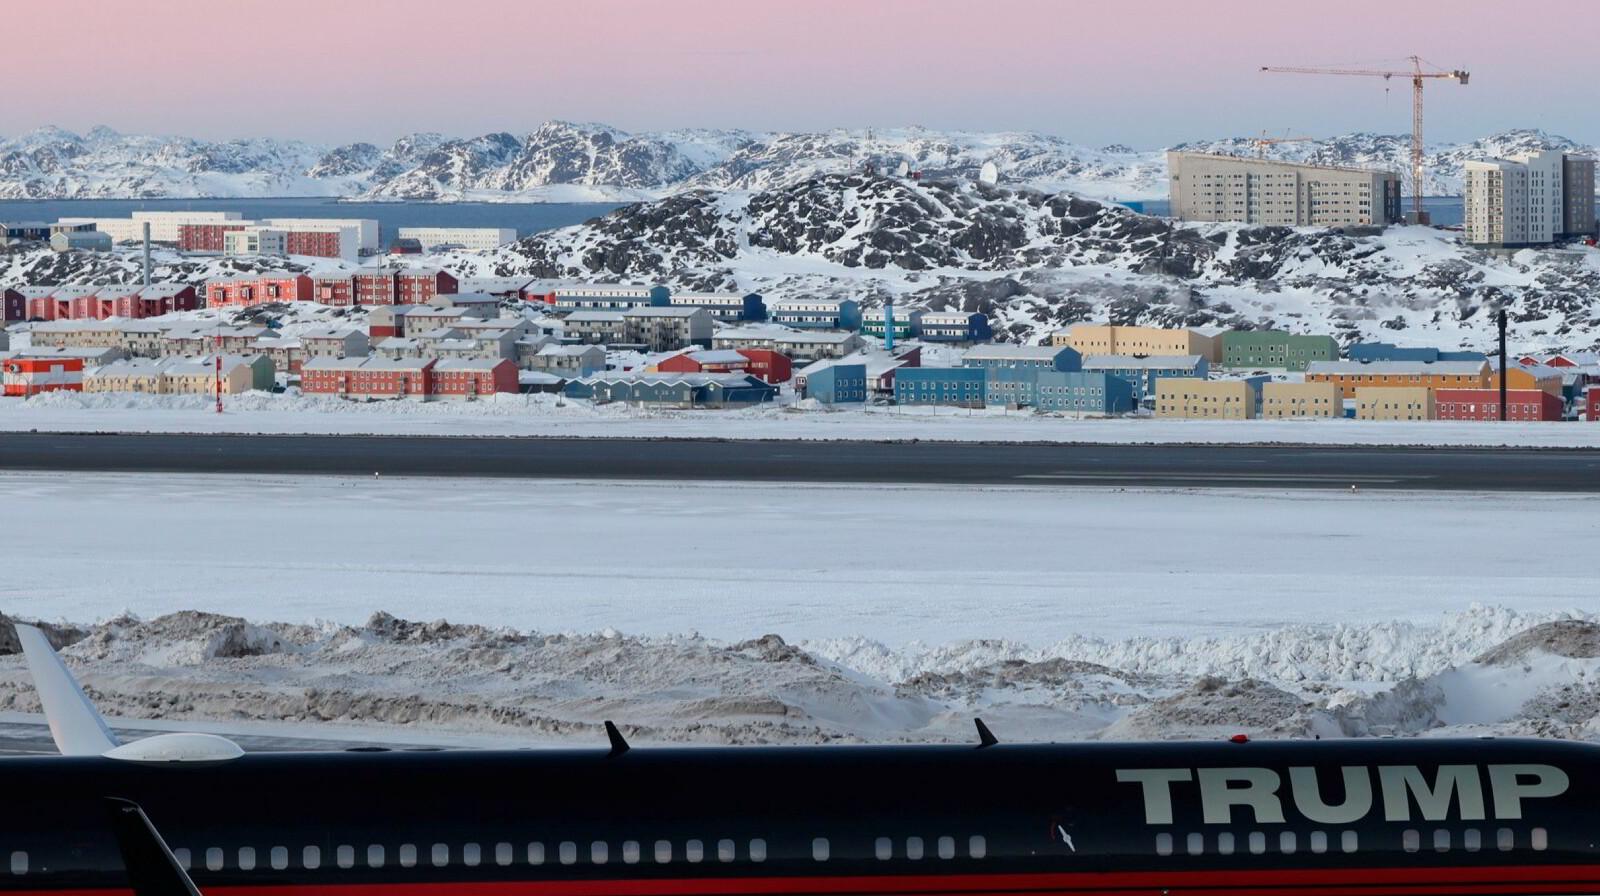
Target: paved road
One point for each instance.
(839, 462)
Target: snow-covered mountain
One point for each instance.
(1036, 261)
(560, 161)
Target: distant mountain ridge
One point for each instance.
(561, 161)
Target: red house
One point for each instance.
(27, 377)
(274, 287)
(164, 298)
(415, 286)
(466, 379)
(771, 366)
(205, 237)
(377, 285)
(333, 289)
(1591, 404)
(368, 377)
(1484, 404)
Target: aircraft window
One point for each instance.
(471, 854)
(1319, 841)
(19, 862)
(630, 852)
(182, 855)
(441, 855)
(535, 853)
(947, 847)
(819, 849)
(913, 847)
(1163, 844)
(213, 859)
(408, 855)
(1225, 844)
(279, 857)
(1287, 843)
(1258, 843)
(345, 856)
(1472, 840)
(758, 850)
(1441, 840)
(694, 850)
(1348, 841)
(883, 848)
(503, 854)
(374, 856)
(569, 852)
(977, 846)
(663, 851)
(724, 850)
(311, 858)
(1411, 841)
(1541, 839)
(247, 858)
(599, 853)
(1504, 839)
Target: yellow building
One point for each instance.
(1302, 400)
(1544, 379)
(1095, 339)
(1394, 403)
(1198, 399)
(1353, 375)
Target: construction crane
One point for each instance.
(1416, 75)
(1262, 142)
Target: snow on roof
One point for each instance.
(717, 356)
(1446, 368)
(688, 379)
(667, 311)
(340, 333)
(119, 324)
(470, 363)
(814, 338)
(1004, 351)
(275, 342)
(1146, 362)
(366, 363)
(550, 351)
(159, 290)
(595, 316)
(470, 298)
(539, 378)
(491, 284)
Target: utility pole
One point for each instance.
(1505, 363)
(218, 357)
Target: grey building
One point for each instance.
(675, 390)
(569, 360)
(1208, 187)
(596, 327)
(666, 329)
(86, 240)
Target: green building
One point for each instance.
(1275, 348)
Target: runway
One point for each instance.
(942, 463)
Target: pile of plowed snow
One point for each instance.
(1539, 678)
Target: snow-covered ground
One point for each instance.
(1056, 614)
(548, 415)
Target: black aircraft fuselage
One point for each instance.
(1324, 817)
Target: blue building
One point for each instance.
(959, 386)
(1142, 371)
(817, 314)
(835, 383)
(1059, 390)
(1042, 357)
(1386, 351)
(1084, 393)
(674, 390)
(954, 326)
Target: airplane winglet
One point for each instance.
(75, 724)
(152, 868)
(619, 745)
(986, 737)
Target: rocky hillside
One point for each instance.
(1036, 261)
(559, 161)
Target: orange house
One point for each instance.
(1353, 375)
(1543, 379)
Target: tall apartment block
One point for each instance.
(1532, 199)
(1206, 187)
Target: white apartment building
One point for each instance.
(1532, 199)
(255, 241)
(164, 226)
(1209, 187)
(471, 238)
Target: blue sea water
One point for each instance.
(527, 218)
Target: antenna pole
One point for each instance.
(219, 368)
(1505, 363)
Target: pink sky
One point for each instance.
(1147, 73)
